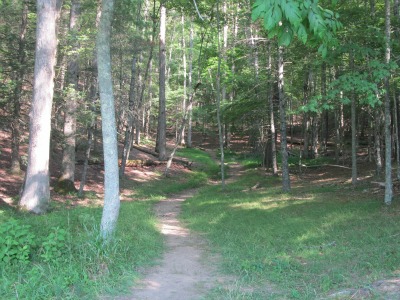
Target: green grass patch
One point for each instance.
(81, 268)
(307, 243)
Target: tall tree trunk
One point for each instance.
(132, 113)
(396, 133)
(182, 138)
(272, 114)
(36, 191)
(190, 87)
(388, 134)
(162, 121)
(282, 108)
(325, 114)
(353, 130)
(67, 178)
(18, 79)
(218, 92)
(377, 144)
(111, 180)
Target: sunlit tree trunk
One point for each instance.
(183, 42)
(111, 180)
(67, 178)
(282, 108)
(36, 191)
(271, 113)
(162, 121)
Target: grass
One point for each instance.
(87, 269)
(308, 243)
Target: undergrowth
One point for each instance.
(306, 244)
(60, 255)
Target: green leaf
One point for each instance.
(302, 33)
(285, 38)
(259, 9)
(292, 12)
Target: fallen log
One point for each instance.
(145, 150)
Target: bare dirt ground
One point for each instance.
(187, 269)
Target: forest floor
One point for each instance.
(188, 269)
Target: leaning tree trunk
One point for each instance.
(162, 121)
(282, 108)
(66, 182)
(111, 179)
(36, 191)
(388, 134)
(19, 77)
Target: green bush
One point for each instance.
(16, 242)
(54, 246)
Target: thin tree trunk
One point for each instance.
(162, 122)
(325, 114)
(377, 144)
(111, 180)
(396, 132)
(182, 138)
(66, 181)
(388, 134)
(353, 130)
(218, 92)
(131, 119)
(272, 114)
(282, 108)
(36, 191)
(190, 87)
(18, 79)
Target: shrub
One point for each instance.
(16, 242)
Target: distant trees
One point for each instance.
(305, 48)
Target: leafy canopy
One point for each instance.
(304, 18)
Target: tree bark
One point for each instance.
(353, 130)
(388, 134)
(272, 114)
(36, 191)
(162, 121)
(282, 108)
(190, 87)
(111, 180)
(67, 179)
(218, 94)
(131, 119)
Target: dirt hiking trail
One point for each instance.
(187, 270)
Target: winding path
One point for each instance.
(186, 270)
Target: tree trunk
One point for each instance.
(272, 114)
(66, 181)
(36, 191)
(377, 144)
(325, 114)
(190, 87)
(131, 119)
(396, 132)
(218, 94)
(282, 108)
(388, 134)
(162, 121)
(353, 130)
(18, 79)
(111, 180)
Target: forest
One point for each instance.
(266, 131)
